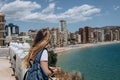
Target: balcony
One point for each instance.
(1, 39)
(1, 31)
(2, 22)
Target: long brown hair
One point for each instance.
(41, 39)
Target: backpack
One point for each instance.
(35, 72)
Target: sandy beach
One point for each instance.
(79, 46)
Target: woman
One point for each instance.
(41, 40)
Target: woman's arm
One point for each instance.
(44, 65)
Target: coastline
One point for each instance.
(59, 50)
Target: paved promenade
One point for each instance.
(5, 70)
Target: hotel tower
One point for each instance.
(2, 31)
(64, 32)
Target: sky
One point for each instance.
(37, 14)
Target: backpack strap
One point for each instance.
(38, 56)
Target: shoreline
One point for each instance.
(60, 50)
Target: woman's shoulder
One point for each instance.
(45, 50)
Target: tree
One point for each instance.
(52, 58)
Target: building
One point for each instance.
(64, 32)
(11, 29)
(63, 25)
(78, 38)
(32, 33)
(53, 37)
(85, 34)
(73, 38)
(2, 30)
(98, 34)
(82, 33)
(58, 37)
(88, 34)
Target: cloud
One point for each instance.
(79, 13)
(19, 9)
(31, 11)
(116, 7)
(49, 9)
(2, 3)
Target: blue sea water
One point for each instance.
(95, 63)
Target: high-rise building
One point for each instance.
(2, 31)
(88, 34)
(64, 31)
(117, 34)
(78, 36)
(58, 37)
(63, 25)
(85, 34)
(99, 35)
(53, 37)
(111, 34)
(102, 31)
(82, 33)
(11, 29)
(107, 34)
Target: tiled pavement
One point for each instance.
(5, 70)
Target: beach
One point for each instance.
(59, 50)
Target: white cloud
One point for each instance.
(2, 3)
(116, 7)
(19, 9)
(28, 11)
(80, 13)
(49, 9)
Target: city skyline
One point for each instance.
(29, 14)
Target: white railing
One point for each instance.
(17, 52)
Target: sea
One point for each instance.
(94, 63)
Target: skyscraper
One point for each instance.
(82, 33)
(2, 31)
(85, 34)
(88, 34)
(53, 37)
(63, 25)
(64, 31)
(11, 29)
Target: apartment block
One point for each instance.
(11, 29)
(2, 30)
(64, 32)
